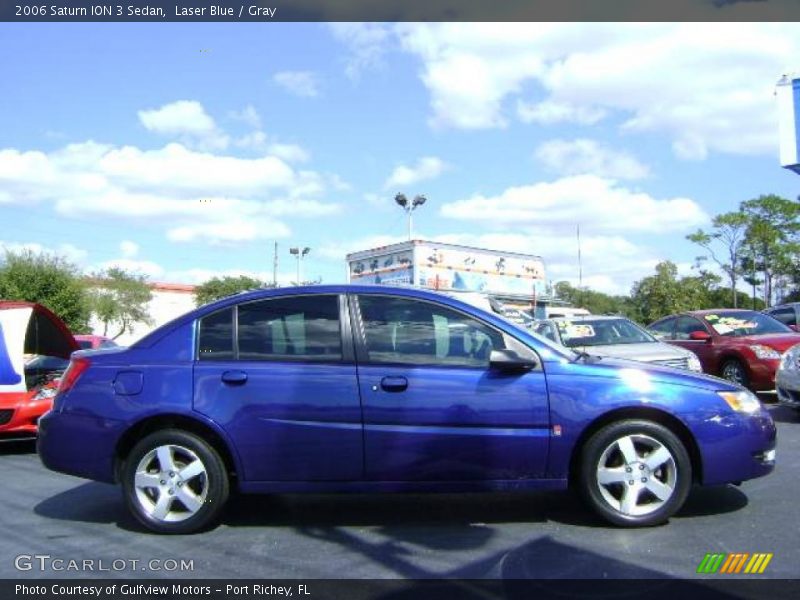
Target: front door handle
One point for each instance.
(234, 377)
(394, 384)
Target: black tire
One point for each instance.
(734, 370)
(639, 481)
(208, 490)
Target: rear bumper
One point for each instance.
(79, 445)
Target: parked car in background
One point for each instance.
(35, 346)
(787, 379)
(553, 312)
(378, 388)
(785, 313)
(743, 346)
(615, 336)
(93, 342)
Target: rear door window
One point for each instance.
(292, 328)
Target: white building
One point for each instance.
(169, 300)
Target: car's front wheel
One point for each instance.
(635, 473)
(733, 370)
(174, 482)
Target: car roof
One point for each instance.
(306, 290)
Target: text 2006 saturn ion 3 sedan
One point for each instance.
(360, 389)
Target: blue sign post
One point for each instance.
(788, 94)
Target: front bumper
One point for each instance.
(737, 447)
(19, 417)
(762, 374)
(787, 384)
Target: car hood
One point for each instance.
(779, 341)
(621, 368)
(646, 351)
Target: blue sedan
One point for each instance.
(364, 388)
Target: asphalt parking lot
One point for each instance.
(528, 535)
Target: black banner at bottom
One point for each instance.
(394, 589)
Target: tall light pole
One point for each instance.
(299, 254)
(409, 207)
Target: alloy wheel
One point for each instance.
(171, 483)
(636, 475)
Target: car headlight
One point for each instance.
(763, 352)
(743, 402)
(693, 363)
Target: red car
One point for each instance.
(93, 342)
(27, 387)
(743, 346)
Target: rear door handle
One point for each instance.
(394, 384)
(234, 377)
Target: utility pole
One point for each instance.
(580, 264)
(275, 266)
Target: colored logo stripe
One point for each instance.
(734, 563)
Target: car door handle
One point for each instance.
(234, 377)
(394, 384)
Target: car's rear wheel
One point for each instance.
(733, 370)
(635, 473)
(175, 482)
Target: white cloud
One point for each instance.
(299, 83)
(591, 157)
(249, 115)
(549, 113)
(195, 195)
(426, 168)
(142, 267)
(128, 248)
(366, 42)
(70, 252)
(707, 86)
(580, 199)
(289, 152)
(186, 120)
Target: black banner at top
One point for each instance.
(398, 10)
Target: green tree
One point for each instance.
(120, 299)
(49, 280)
(728, 231)
(220, 287)
(595, 302)
(772, 239)
(663, 293)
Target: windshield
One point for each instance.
(736, 323)
(601, 332)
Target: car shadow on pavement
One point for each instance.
(88, 503)
(299, 510)
(17, 447)
(784, 414)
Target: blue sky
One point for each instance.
(186, 150)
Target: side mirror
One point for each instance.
(700, 336)
(510, 361)
(794, 328)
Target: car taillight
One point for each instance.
(76, 368)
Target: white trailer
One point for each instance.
(450, 268)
